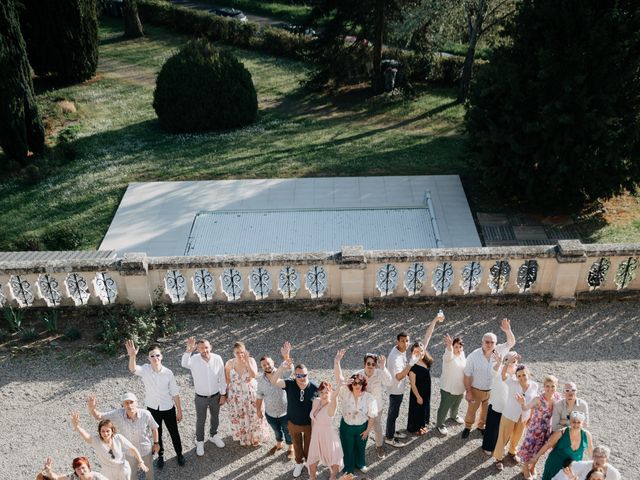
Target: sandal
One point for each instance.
(499, 466)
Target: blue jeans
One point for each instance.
(392, 415)
(280, 428)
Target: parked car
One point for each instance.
(297, 29)
(233, 13)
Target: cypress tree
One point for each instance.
(62, 38)
(21, 128)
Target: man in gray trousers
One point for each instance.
(210, 385)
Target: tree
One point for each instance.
(21, 128)
(62, 38)
(480, 17)
(555, 119)
(359, 24)
(132, 24)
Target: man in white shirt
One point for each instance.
(134, 423)
(398, 367)
(161, 396)
(210, 385)
(600, 455)
(478, 377)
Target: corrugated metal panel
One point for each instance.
(48, 256)
(313, 230)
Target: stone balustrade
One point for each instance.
(559, 273)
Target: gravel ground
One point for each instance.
(595, 345)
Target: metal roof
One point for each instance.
(311, 230)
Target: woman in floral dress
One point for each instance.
(539, 426)
(241, 372)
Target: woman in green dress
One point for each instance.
(569, 442)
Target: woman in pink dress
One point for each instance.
(241, 372)
(539, 426)
(325, 442)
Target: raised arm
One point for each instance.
(337, 369)
(505, 326)
(186, 356)
(75, 423)
(48, 472)
(382, 365)
(276, 378)
(91, 405)
(333, 405)
(285, 351)
(429, 332)
(132, 351)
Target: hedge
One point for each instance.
(220, 29)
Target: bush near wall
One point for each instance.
(219, 29)
(444, 70)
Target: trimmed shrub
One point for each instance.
(62, 38)
(64, 236)
(202, 88)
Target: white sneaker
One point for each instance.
(459, 420)
(443, 430)
(393, 442)
(297, 470)
(364, 469)
(217, 441)
(200, 448)
(400, 435)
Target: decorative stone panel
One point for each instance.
(626, 272)
(175, 285)
(22, 290)
(288, 282)
(442, 278)
(499, 275)
(414, 278)
(260, 283)
(204, 285)
(77, 288)
(470, 277)
(106, 287)
(386, 279)
(232, 283)
(48, 286)
(598, 273)
(316, 281)
(527, 275)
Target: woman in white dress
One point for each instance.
(110, 448)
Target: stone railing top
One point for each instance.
(461, 254)
(221, 261)
(51, 262)
(611, 249)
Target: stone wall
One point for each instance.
(558, 274)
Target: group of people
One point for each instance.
(503, 402)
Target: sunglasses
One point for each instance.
(301, 375)
(357, 384)
(155, 355)
(569, 390)
(111, 453)
(370, 364)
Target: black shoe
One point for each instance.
(181, 460)
(465, 433)
(481, 430)
(160, 463)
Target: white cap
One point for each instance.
(128, 396)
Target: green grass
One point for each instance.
(296, 135)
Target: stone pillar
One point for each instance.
(134, 270)
(570, 255)
(352, 266)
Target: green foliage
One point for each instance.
(72, 334)
(4, 335)
(341, 64)
(63, 236)
(62, 38)
(21, 127)
(220, 29)
(202, 88)
(66, 142)
(13, 319)
(31, 174)
(141, 326)
(28, 335)
(50, 320)
(554, 121)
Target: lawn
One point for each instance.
(296, 135)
